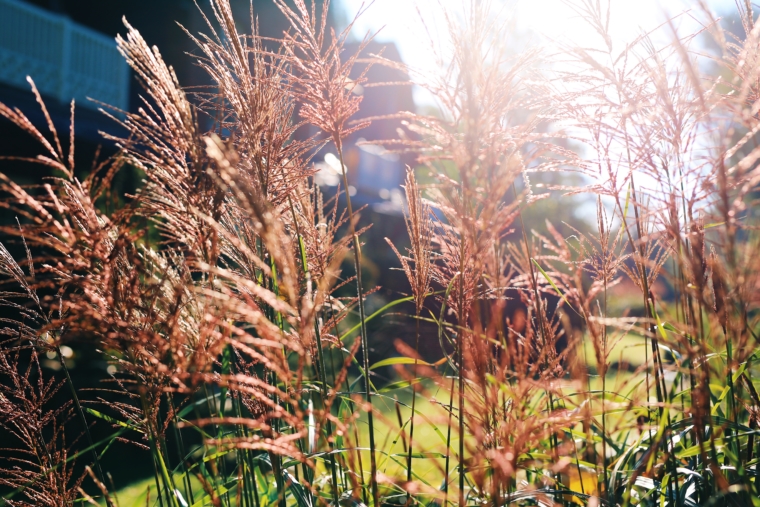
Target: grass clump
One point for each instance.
(233, 359)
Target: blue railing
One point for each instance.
(65, 60)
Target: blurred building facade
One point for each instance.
(66, 59)
(67, 47)
(374, 172)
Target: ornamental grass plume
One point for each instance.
(419, 226)
(417, 268)
(38, 430)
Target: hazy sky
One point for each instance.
(399, 21)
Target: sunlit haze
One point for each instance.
(404, 22)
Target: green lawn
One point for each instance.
(432, 420)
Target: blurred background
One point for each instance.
(68, 48)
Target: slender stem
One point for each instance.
(414, 399)
(158, 458)
(461, 319)
(181, 452)
(275, 458)
(158, 485)
(349, 389)
(604, 396)
(320, 369)
(241, 456)
(363, 326)
(460, 360)
(323, 380)
(80, 412)
(448, 446)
